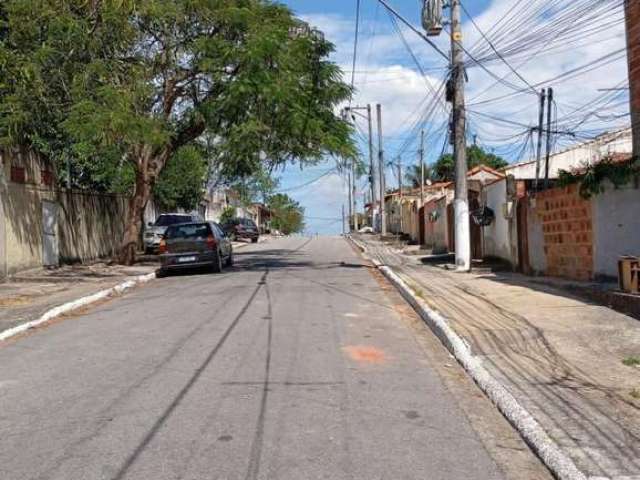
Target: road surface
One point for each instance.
(296, 364)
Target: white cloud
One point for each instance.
(386, 74)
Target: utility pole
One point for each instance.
(372, 169)
(350, 199)
(353, 197)
(546, 162)
(343, 229)
(422, 168)
(461, 199)
(401, 197)
(543, 98)
(383, 217)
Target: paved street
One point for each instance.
(296, 364)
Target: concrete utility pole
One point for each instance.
(343, 228)
(353, 197)
(350, 199)
(383, 216)
(632, 13)
(546, 161)
(461, 200)
(372, 169)
(543, 98)
(401, 197)
(422, 168)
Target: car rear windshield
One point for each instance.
(192, 231)
(165, 220)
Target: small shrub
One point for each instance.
(632, 361)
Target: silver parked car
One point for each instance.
(153, 234)
(188, 245)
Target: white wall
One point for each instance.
(616, 218)
(535, 240)
(496, 235)
(580, 155)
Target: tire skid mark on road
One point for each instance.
(194, 378)
(255, 455)
(126, 394)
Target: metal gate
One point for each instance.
(50, 253)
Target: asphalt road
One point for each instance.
(294, 365)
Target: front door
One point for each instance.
(50, 253)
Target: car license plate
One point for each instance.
(186, 259)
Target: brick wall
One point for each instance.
(633, 54)
(567, 227)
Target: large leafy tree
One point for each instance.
(444, 168)
(125, 84)
(287, 215)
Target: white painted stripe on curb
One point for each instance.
(75, 304)
(549, 452)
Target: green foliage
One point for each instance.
(414, 175)
(228, 214)
(181, 183)
(632, 361)
(287, 215)
(444, 168)
(255, 188)
(118, 86)
(593, 178)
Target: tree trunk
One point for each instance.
(148, 166)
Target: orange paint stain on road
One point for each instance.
(365, 354)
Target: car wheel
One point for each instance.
(230, 259)
(161, 273)
(148, 251)
(254, 240)
(217, 263)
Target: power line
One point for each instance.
(355, 50)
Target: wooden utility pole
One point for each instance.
(383, 216)
(461, 199)
(543, 98)
(401, 197)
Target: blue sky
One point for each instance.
(387, 74)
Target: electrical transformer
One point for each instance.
(432, 17)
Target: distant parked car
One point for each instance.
(188, 245)
(153, 234)
(238, 228)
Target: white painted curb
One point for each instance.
(549, 452)
(75, 304)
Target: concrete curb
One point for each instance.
(75, 304)
(549, 452)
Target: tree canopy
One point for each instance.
(287, 215)
(116, 88)
(444, 168)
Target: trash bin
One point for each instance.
(628, 274)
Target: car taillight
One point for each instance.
(211, 242)
(162, 248)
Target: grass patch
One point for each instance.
(635, 393)
(632, 361)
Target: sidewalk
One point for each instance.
(28, 295)
(558, 354)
